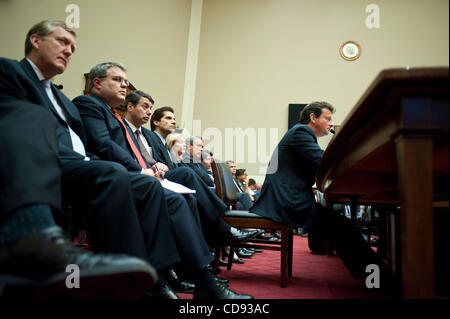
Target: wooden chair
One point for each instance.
(226, 190)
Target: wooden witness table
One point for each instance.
(393, 148)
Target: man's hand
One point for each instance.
(161, 167)
(151, 173)
(158, 174)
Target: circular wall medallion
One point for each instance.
(350, 50)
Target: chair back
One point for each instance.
(225, 188)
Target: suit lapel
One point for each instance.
(72, 114)
(130, 131)
(41, 95)
(163, 152)
(165, 155)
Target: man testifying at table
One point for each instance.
(287, 197)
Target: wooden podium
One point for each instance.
(393, 148)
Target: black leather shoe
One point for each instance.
(222, 280)
(238, 261)
(222, 262)
(256, 250)
(219, 291)
(238, 236)
(179, 286)
(166, 292)
(266, 237)
(247, 250)
(40, 261)
(242, 254)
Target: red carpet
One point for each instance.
(313, 277)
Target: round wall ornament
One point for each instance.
(350, 50)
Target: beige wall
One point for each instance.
(148, 36)
(255, 56)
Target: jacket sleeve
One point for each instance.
(152, 140)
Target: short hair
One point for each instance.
(206, 153)
(101, 71)
(172, 138)
(135, 96)
(251, 182)
(314, 108)
(158, 114)
(190, 140)
(43, 29)
(229, 161)
(240, 171)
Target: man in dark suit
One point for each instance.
(110, 140)
(126, 213)
(244, 201)
(42, 151)
(210, 207)
(287, 197)
(193, 158)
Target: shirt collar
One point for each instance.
(133, 128)
(163, 140)
(36, 70)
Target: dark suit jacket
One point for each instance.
(105, 134)
(198, 168)
(208, 203)
(19, 81)
(30, 171)
(160, 155)
(115, 224)
(159, 150)
(287, 195)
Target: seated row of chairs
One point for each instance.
(226, 191)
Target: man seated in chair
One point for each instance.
(45, 163)
(210, 206)
(110, 139)
(244, 201)
(287, 196)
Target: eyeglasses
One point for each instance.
(117, 79)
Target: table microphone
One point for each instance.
(59, 86)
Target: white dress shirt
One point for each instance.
(77, 144)
(141, 137)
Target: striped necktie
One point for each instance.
(148, 158)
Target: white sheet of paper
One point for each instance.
(178, 188)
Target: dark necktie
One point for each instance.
(77, 144)
(148, 158)
(131, 143)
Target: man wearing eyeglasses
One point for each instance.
(109, 139)
(31, 245)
